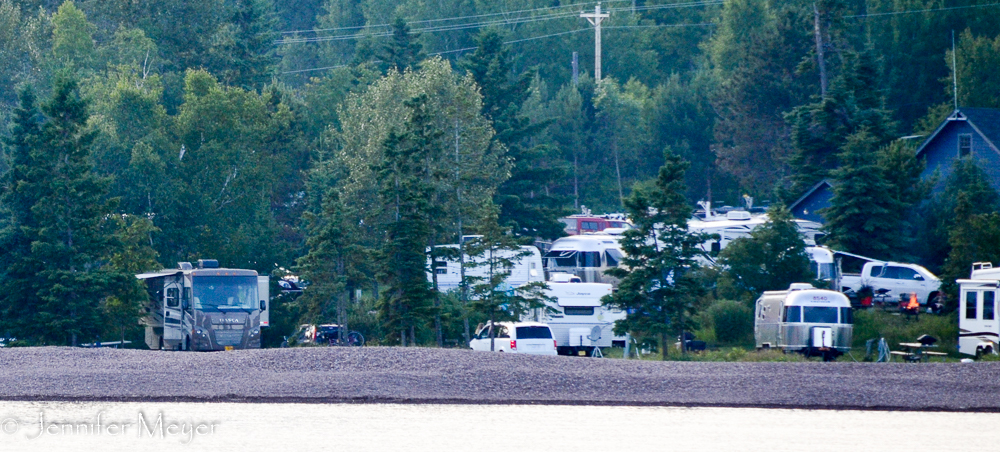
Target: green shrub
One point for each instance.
(732, 322)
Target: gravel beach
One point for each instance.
(423, 375)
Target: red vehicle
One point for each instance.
(583, 224)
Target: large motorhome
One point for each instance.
(575, 313)
(205, 308)
(978, 326)
(527, 268)
(804, 319)
(739, 223)
(589, 224)
(586, 256)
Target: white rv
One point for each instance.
(978, 326)
(576, 313)
(586, 256)
(527, 268)
(740, 223)
(804, 319)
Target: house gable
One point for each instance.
(808, 205)
(971, 131)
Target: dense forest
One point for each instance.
(340, 139)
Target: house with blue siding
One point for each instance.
(808, 205)
(968, 133)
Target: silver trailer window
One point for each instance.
(793, 314)
(819, 314)
(578, 310)
(846, 315)
(989, 305)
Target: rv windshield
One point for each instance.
(819, 314)
(565, 258)
(225, 292)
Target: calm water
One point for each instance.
(110, 427)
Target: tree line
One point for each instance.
(342, 139)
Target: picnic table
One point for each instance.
(915, 352)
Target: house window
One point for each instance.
(964, 144)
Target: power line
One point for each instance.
(547, 8)
(465, 26)
(914, 11)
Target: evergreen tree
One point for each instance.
(407, 300)
(771, 258)
(242, 50)
(972, 238)
(67, 228)
(403, 51)
(820, 129)
(965, 181)
(864, 216)
(20, 182)
(527, 200)
(335, 263)
(658, 288)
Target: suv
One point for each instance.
(325, 335)
(521, 337)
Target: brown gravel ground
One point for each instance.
(424, 375)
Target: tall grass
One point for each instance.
(896, 328)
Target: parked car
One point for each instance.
(326, 334)
(893, 279)
(515, 337)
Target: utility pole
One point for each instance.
(595, 19)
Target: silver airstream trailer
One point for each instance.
(804, 319)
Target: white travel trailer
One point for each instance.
(978, 326)
(740, 223)
(586, 256)
(804, 319)
(527, 268)
(576, 312)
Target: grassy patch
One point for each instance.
(876, 323)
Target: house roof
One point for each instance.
(819, 185)
(985, 121)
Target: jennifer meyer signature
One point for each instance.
(152, 426)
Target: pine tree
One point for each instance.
(403, 51)
(20, 182)
(771, 258)
(528, 205)
(407, 303)
(658, 288)
(67, 231)
(864, 216)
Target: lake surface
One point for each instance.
(107, 427)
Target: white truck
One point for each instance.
(576, 313)
(893, 279)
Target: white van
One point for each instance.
(533, 338)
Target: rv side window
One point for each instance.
(172, 297)
(578, 310)
(793, 314)
(971, 298)
(612, 256)
(989, 305)
(846, 315)
(590, 259)
(819, 314)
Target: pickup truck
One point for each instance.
(896, 278)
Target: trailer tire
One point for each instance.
(187, 343)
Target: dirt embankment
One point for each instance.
(418, 375)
